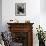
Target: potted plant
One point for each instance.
(41, 36)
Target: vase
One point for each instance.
(41, 43)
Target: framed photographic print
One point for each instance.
(20, 9)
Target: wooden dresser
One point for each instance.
(22, 33)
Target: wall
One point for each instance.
(32, 11)
(0, 15)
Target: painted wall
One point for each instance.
(33, 13)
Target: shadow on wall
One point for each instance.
(43, 6)
(0, 15)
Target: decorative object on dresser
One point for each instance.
(20, 9)
(22, 33)
(13, 21)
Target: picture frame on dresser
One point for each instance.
(20, 9)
